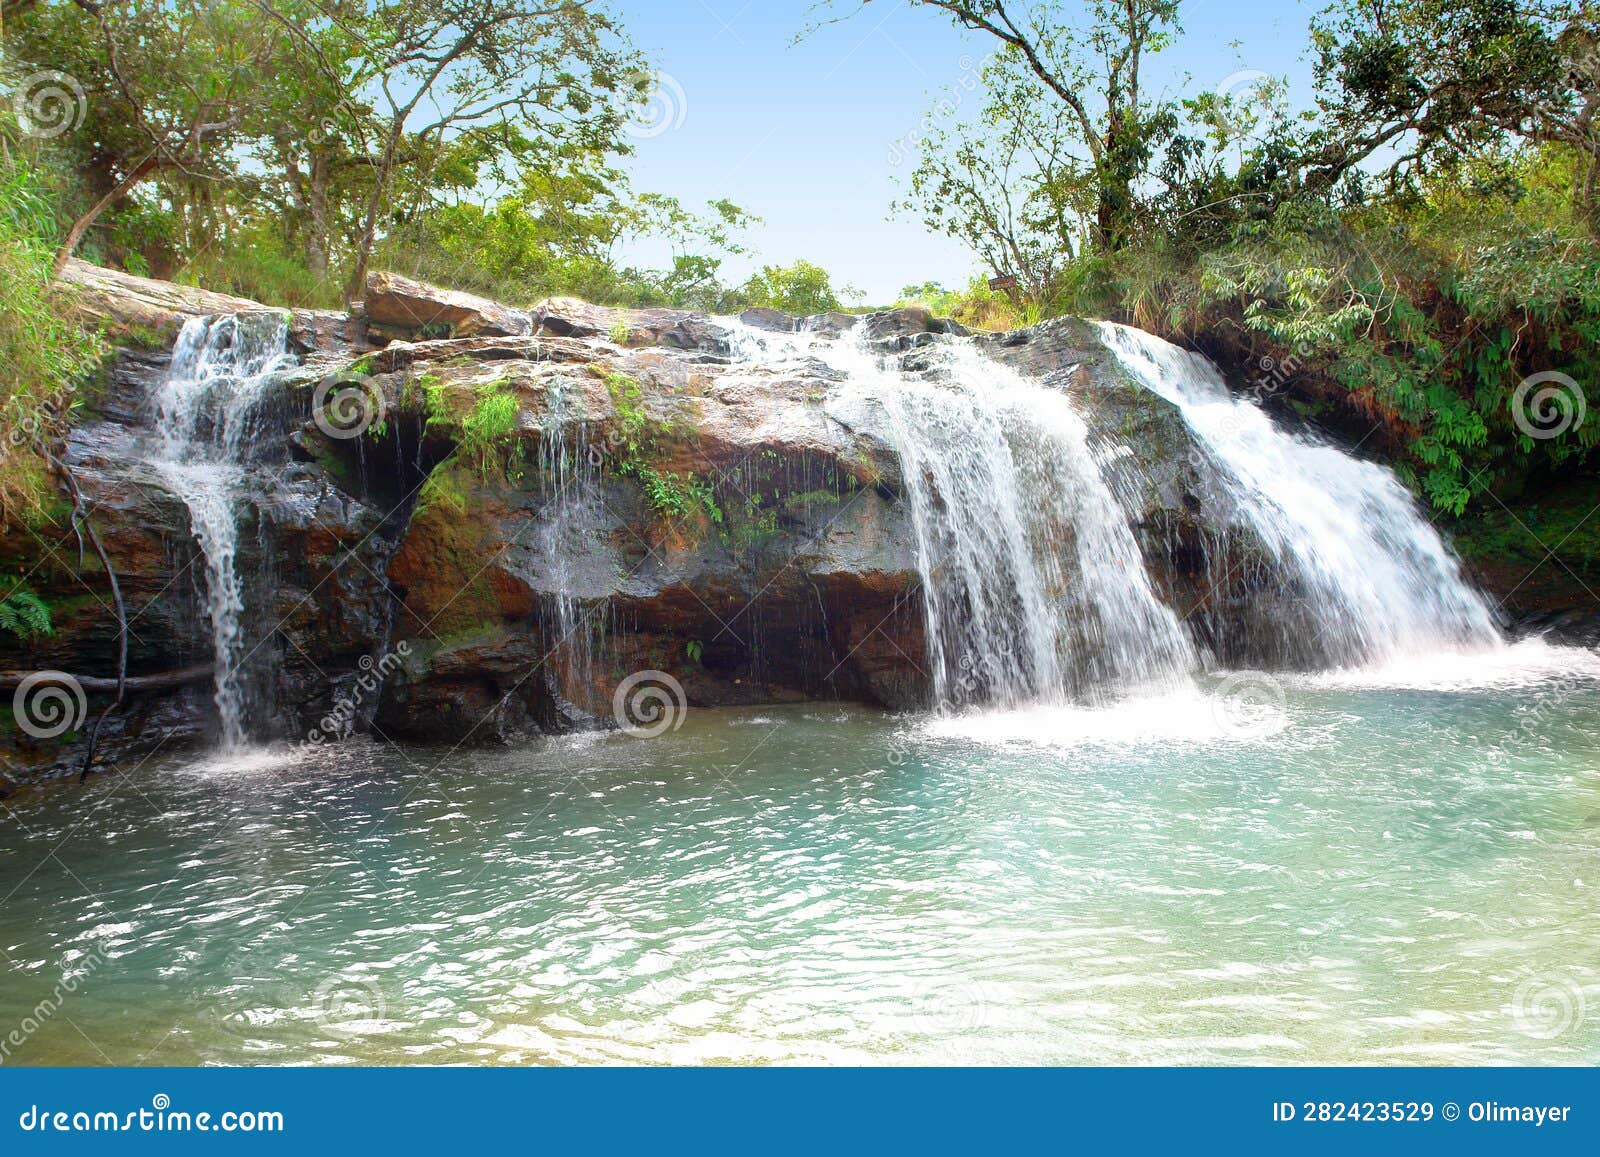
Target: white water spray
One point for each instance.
(1034, 587)
(205, 411)
(1379, 582)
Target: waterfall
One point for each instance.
(205, 417)
(1379, 583)
(1032, 581)
(568, 474)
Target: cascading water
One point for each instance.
(206, 412)
(1033, 584)
(568, 475)
(1378, 581)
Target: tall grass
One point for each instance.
(43, 350)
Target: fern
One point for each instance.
(24, 615)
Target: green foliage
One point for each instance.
(43, 351)
(1415, 247)
(976, 306)
(635, 430)
(675, 497)
(481, 420)
(799, 288)
(24, 614)
(694, 649)
(490, 424)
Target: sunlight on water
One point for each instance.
(1391, 876)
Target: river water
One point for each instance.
(1395, 867)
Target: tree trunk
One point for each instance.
(369, 231)
(11, 680)
(81, 226)
(317, 216)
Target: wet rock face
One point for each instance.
(650, 505)
(1208, 564)
(547, 502)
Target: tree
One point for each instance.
(1009, 184)
(1423, 84)
(162, 87)
(800, 288)
(1094, 69)
(508, 70)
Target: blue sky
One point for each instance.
(805, 134)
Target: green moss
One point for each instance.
(811, 498)
(484, 429)
(1533, 526)
(488, 428)
(443, 491)
(141, 337)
